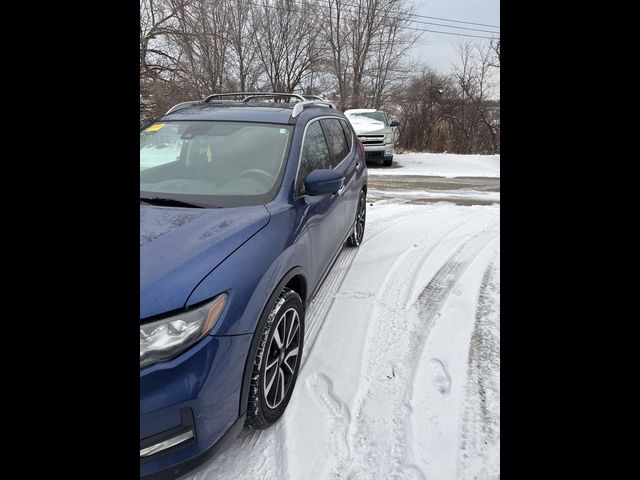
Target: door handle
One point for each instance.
(342, 189)
(358, 165)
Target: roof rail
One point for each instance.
(298, 107)
(231, 94)
(251, 95)
(257, 95)
(183, 105)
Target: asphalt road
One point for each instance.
(416, 189)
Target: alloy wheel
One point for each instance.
(361, 217)
(282, 358)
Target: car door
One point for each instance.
(353, 174)
(343, 159)
(320, 213)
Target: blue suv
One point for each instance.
(244, 207)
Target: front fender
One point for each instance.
(251, 274)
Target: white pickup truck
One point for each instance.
(375, 132)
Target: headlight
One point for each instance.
(166, 338)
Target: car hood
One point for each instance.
(368, 126)
(180, 246)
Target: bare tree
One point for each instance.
(336, 35)
(367, 41)
(424, 103)
(458, 112)
(365, 23)
(286, 45)
(242, 41)
(494, 47)
(203, 43)
(474, 74)
(354, 48)
(157, 20)
(389, 50)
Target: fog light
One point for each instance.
(171, 442)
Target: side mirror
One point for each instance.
(323, 182)
(395, 123)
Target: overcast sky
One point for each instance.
(437, 50)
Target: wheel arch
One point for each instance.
(295, 279)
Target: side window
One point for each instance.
(347, 133)
(315, 154)
(337, 140)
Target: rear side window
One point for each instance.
(336, 138)
(315, 154)
(347, 133)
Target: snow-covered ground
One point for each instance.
(461, 194)
(401, 365)
(442, 165)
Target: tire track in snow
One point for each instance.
(390, 358)
(320, 306)
(479, 454)
(429, 306)
(388, 221)
(434, 304)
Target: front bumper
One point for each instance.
(378, 151)
(198, 392)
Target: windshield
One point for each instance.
(216, 164)
(378, 116)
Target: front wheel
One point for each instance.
(355, 239)
(277, 362)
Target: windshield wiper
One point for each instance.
(170, 202)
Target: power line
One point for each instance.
(451, 33)
(275, 7)
(415, 21)
(456, 21)
(331, 4)
(453, 26)
(423, 16)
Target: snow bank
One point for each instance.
(442, 165)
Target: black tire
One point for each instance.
(355, 239)
(266, 402)
(387, 161)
